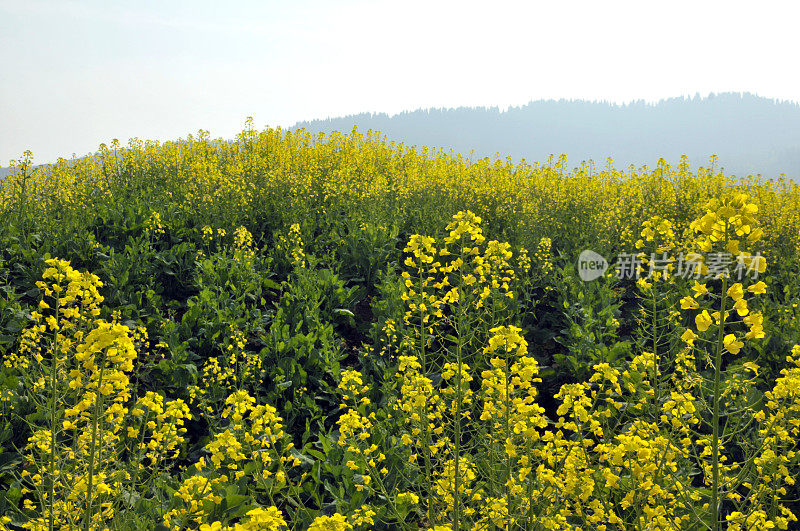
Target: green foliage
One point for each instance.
(591, 312)
(272, 270)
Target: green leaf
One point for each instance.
(9, 461)
(316, 453)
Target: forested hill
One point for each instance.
(750, 134)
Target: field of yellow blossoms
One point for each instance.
(289, 331)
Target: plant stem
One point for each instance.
(54, 391)
(87, 516)
(654, 377)
(457, 428)
(715, 419)
(425, 422)
(507, 411)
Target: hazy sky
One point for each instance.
(75, 74)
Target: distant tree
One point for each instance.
(750, 134)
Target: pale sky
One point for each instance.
(75, 74)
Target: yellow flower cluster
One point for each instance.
(337, 522)
(509, 390)
(161, 427)
(208, 234)
(490, 271)
(242, 250)
(196, 492)
(71, 464)
(657, 245)
(154, 225)
(243, 245)
(299, 175)
(221, 375)
(630, 448)
(292, 245)
(456, 480)
(254, 440)
(724, 222)
(422, 407)
(421, 253)
(260, 519)
(355, 430)
(543, 257)
(466, 272)
(213, 376)
(260, 438)
(524, 261)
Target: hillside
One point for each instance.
(751, 134)
(320, 333)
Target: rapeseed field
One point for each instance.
(338, 332)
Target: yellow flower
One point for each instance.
(703, 321)
(758, 263)
(731, 344)
(759, 288)
(337, 522)
(689, 337)
(688, 303)
(408, 498)
(699, 289)
(741, 307)
(735, 292)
